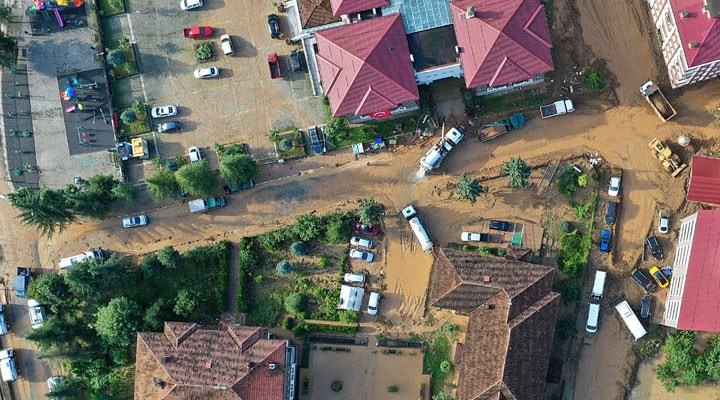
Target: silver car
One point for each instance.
(362, 255)
(135, 220)
(360, 242)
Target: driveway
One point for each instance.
(243, 104)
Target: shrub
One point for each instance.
(337, 226)
(298, 249)
(500, 252)
(569, 291)
(565, 328)
(445, 366)
(128, 117)
(258, 279)
(283, 267)
(285, 145)
(583, 180)
(568, 182)
(566, 227)
(518, 172)
(573, 253)
(138, 107)
(370, 211)
(449, 327)
(274, 136)
(116, 58)
(270, 240)
(324, 261)
(307, 227)
(204, 52)
(336, 386)
(295, 303)
(393, 389)
(485, 250)
(288, 323)
(349, 316)
(593, 80)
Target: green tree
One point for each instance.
(337, 127)
(118, 322)
(442, 396)
(162, 184)
(238, 169)
(185, 303)
(469, 189)
(48, 288)
(126, 191)
(150, 266)
(197, 179)
(337, 226)
(295, 303)
(5, 12)
(128, 117)
(307, 227)
(156, 315)
(88, 203)
(68, 388)
(274, 136)
(370, 211)
(116, 58)
(8, 51)
(285, 144)
(102, 185)
(283, 267)
(169, 257)
(518, 172)
(48, 210)
(298, 249)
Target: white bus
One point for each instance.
(630, 319)
(69, 261)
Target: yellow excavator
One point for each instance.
(669, 160)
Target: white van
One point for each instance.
(69, 261)
(37, 314)
(630, 319)
(8, 369)
(593, 317)
(598, 285)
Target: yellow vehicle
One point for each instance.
(659, 277)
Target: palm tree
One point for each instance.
(518, 172)
(468, 189)
(48, 210)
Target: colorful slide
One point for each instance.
(59, 18)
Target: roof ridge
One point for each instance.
(532, 33)
(510, 38)
(456, 274)
(337, 69)
(372, 90)
(157, 360)
(715, 25)
(510, 62)
(520, 318)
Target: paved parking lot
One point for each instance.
(243, 104)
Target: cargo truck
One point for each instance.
(21, 281)
(274, 65)
(498, 128)
(206, 204)
(657, 101)
(418, 229)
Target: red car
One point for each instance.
(373, 230)
(197, 32)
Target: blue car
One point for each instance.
(605, 240)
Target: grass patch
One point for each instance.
(297, 150)
(111, 7)
(439, 351)
(510, 102)
(368, 133)
(265, 311)
(139, 126)
(130, 68)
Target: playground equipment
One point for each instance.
(26, 133)
(55, 6)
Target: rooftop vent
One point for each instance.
(208, 364)
(412, 59)
(470, 12)
(684, 14)
(167, 359)
(392, 49)
(486, 278)
(457, 50)
(159, 383)
(693, 44)
(273, 366)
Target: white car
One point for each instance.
(664, 224)
(362, 255)
(190, 4)
(373, 303)
(163, 111)
(360, 242)
(209, 72)
(614, 188)
(354, 278)
(37, 314)
(194, 153)
(53, 382)
(226, 44)
(135, 220)
(474, 237)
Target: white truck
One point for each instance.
(438, 152)
(8, 369)
(69, 261)
(598, 285)
(630, 319)
(418, 229)
(559, 107)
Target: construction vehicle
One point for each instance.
(497, 128)
(657, 101)
(669, 160)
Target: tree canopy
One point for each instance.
(118, 322)
(48, 210)
(370, 211)
(162, 184)
(518, 172)
(468, 189)
(238, 169)
(197, 179)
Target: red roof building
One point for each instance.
(705, 180)
(341, 7)
(234, 362)
(365, 67)
(689, 32)
(502, 42)
(693, 299)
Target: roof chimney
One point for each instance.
(486, 278)
(272, 366)
(684, 14)
(470, 13)
(159, 383)
(167, 359)
(693, 44)
(208, 364)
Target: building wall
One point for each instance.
(428, 76)
(680, 267)
(485, 89)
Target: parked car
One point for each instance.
(354, 278)
(474, 237)
(195, 155)
(646, 306)
(295, 63)
(226, 44)
(373, 303)
(205, 73)
(372, 230)
(643, 280)
(274, 25)
(230, 189)
(163, 111)
(501, 225)
(663, 223)
(362, 255)
(172, 166)
(37, 314)
(168, 127)
(655, 248)
(614, 188)
(197, 32)
(659, 277)
(360, 242)
(611, 212)
(135, 220)
(605, 240)
(190, 4)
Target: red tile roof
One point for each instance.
(700, 307)
(704, 180)
(316, 13)
(229, 363)
(341, 7)
(699, 27)
(506, 41)
(365, 67)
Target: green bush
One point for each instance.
(324, 261)
(337, 226)
(285, 145)
(485, 250)
(592, 80)
(566, 227)
(288, 323)
(573, 253)
(569, 291)
(116, 58)
(303, 328)
(349, 316)
(583, 180)
(128, 117)
(393, 389)
(295, 303)
(568, 182)
(565, 328)
(204, 52)
(298, 249)
(307, 227)
(271, 240)
(283, 267)
(336, 386)
(247, 259)
(445, 366)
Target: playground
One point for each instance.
(52, 16)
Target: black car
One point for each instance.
(655, 249)
(274, 26)
(611, 212)
(643, 280)
(295, 60)
(500, 225)
(646, 306)
(168, 126)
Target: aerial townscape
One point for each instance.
(360, 199)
